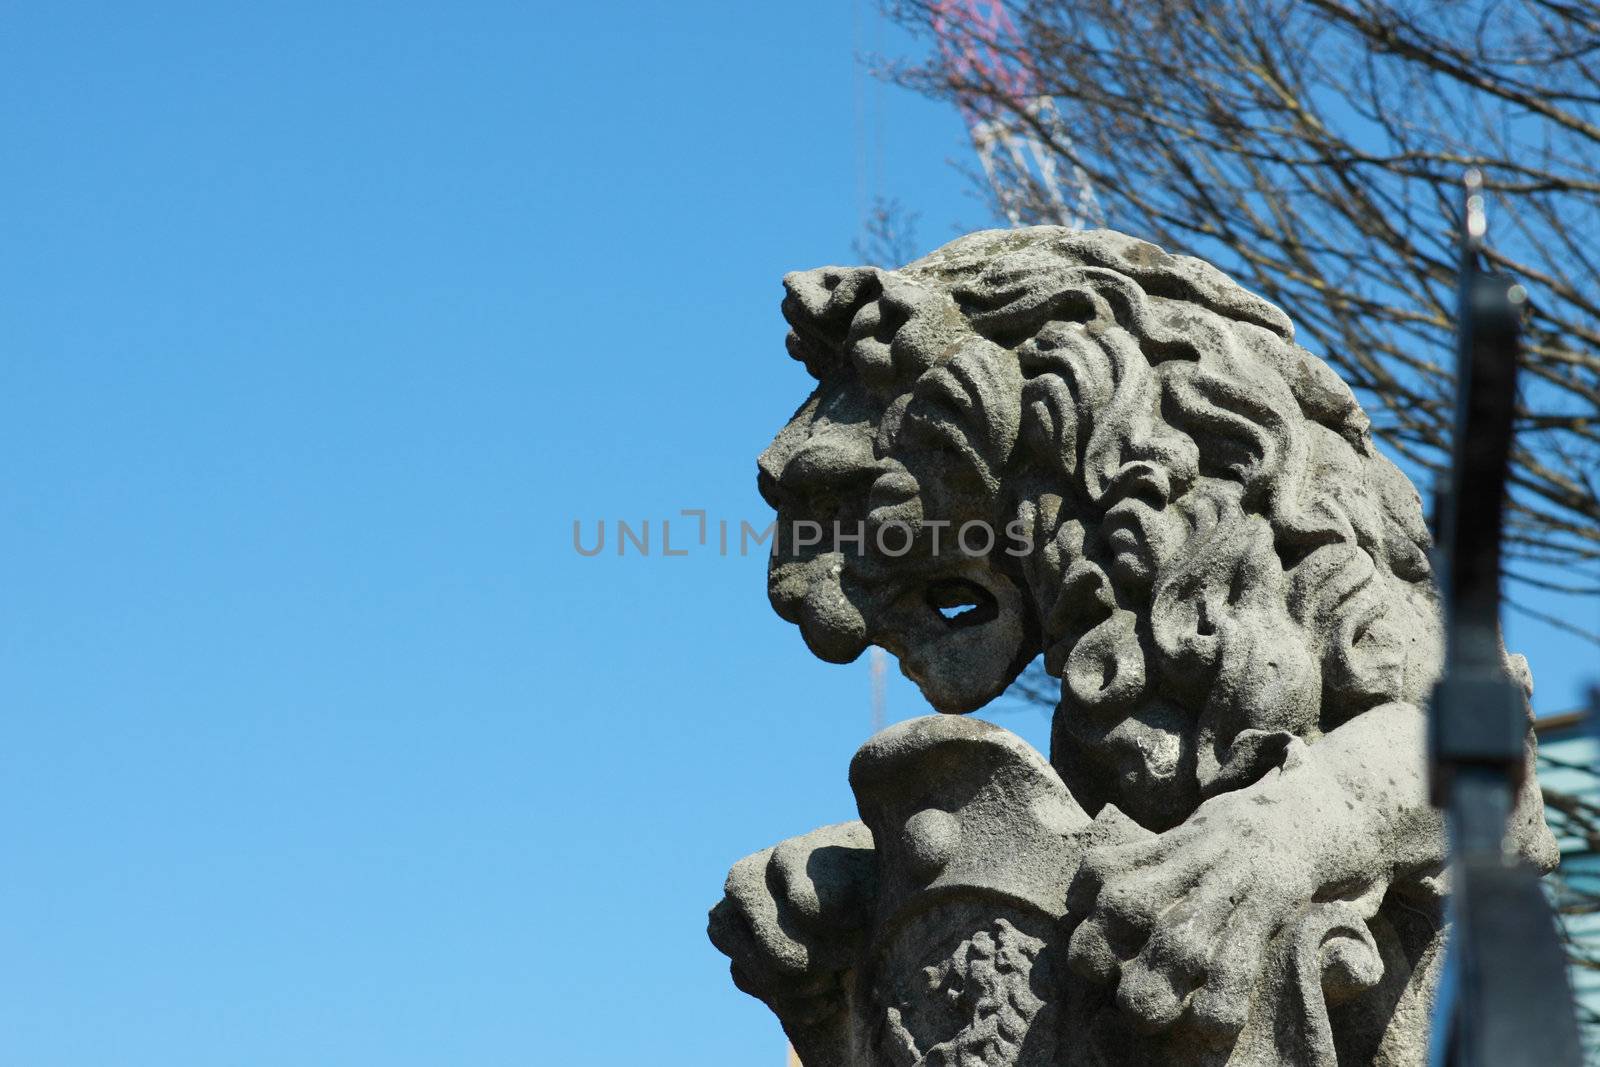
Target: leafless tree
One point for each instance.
(1315, 148)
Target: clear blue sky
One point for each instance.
(321, 324)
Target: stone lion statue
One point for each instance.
(1076, 445)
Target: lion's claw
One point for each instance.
(1180, 923)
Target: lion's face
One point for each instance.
(859, 560)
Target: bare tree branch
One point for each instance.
(1313, 149)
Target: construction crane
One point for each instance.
(982, 49)
(880, 669)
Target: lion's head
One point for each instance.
(1075, 444)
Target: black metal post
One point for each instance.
(1506, 1000)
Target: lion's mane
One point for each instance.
(1221, 558)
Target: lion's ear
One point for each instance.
(820, 305)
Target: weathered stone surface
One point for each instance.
(1119, 459)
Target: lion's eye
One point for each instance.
(962, 603)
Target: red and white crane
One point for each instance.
(980, 46)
